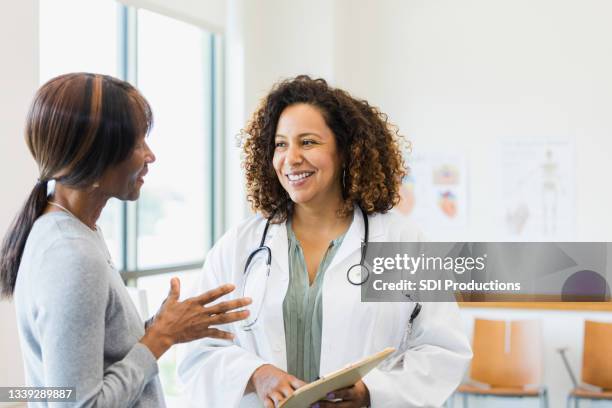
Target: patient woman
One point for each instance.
(77, 324)
(323, 169)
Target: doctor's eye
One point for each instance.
(280, 144)
(307, 142)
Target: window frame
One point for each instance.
(213, 152)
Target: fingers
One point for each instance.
(227, 306)
(346, 394)
(175, 289)
(296, 383)
(214, 294)
(225, 318)
(276, 398)
(286, 391)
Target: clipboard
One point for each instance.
(345, 377)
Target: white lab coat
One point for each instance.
(427, 369)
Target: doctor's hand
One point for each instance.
(181, 322)
(273, 385)
(355, 396)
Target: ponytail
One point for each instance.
(16, 237)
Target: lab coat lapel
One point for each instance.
(280, 249)
(273, 329)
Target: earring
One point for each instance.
(96, 185)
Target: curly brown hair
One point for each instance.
(370, 147)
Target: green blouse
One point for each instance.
(303, 310)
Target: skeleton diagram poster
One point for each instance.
(537, 189)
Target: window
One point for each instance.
(168, 230)
(176, 81)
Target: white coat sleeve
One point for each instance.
(432, 366)
(216, 372)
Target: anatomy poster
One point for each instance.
(434, 193)
(537, 189)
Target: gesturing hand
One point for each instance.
(273, 385)
(355, 396)
(181, 322)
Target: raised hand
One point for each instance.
(181, 322)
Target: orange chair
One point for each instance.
(596, 364)
(507, 361)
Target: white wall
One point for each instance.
(459, 76)
(18, 82)
(268, 40)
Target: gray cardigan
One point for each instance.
(77, 324)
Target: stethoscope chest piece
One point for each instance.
(358, 274)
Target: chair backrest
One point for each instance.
(507, 353)
(597, 354)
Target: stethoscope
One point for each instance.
(357, 274)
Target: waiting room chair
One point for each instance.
(507, 361)
(596, 364)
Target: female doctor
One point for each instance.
(322, 169)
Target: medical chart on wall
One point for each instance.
(536, 195)
(434, 194)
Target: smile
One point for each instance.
(299, 176)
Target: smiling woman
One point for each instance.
(322, 169)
